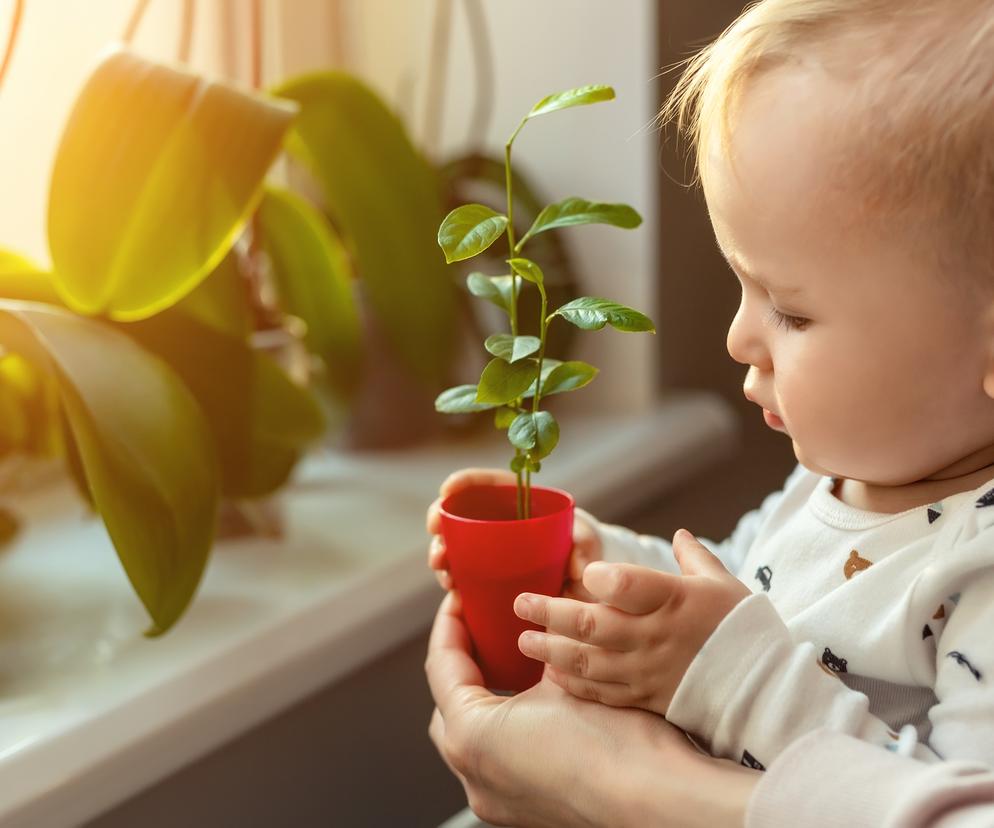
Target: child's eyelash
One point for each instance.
(785, 320)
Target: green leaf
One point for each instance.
(261, 421)
(534, 466)
(574, 210)
(383, 197)
(568, 377)
(592, 313)
(21, 278)
(512, 348)
(221, 300)
(155, 176)
(548, 366)
(503, 417)
(314, 281)
(503, 381)
(534, 432)
(579, 96)
(469, 230)
(517, 463)
(145, 447)
(527, 270)
(495, 289)
(460, 400)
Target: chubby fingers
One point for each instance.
(634, 589)
(574, 657)
(594, 624)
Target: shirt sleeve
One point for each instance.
(622, 545)
(751, 691)
(830, 780)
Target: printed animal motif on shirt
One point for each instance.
(986, 499)
(855, 564)
(934, 512)
(961, 659)
(833, 662)
(926, 632)
(940, 613)
(751, 761)
(765, 577)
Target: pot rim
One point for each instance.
(570, 504)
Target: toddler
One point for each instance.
(846, 153)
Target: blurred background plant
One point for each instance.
(200, 328)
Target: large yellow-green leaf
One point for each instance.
(20, 278)
(221, 300)
(382, 195)
(155, 175)
(145, 448)
(314, 280)
(261, 422)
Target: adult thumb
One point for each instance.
(694, 558)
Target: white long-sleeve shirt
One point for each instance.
(860, 623)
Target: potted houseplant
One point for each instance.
(504, 540)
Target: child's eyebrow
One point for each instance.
(785, 291)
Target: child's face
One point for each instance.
(866, 356)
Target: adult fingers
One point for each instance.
(436, 732)
(573, 657)
(634, 589)
(590, 623)
(439, 563)
(464, 478)
(452, 674)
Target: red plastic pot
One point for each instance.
(494, 557)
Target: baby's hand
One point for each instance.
(632, 649)
(586, 541)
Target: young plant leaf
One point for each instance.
(592, 313)
(460, 399)
(534, 432)
(527, 270)
(512, 348)
(533, 466)
(156, 173)
(503, 417)
(517, 463)
(573, 210)
(503, 381)
(469, 230)
(145, 447)
(495, 289)
(568, 376)
(579, 96)
(548, 366)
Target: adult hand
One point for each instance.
(586, 541)
(633, 648)
(544, 758)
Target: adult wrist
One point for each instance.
(688, 790)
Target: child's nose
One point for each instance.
(745, 341)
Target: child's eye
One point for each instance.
(791, 323)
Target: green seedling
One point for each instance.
(520, 371)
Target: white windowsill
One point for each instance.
(91, 712)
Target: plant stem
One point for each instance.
(523, 490)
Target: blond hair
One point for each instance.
(919, 134)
